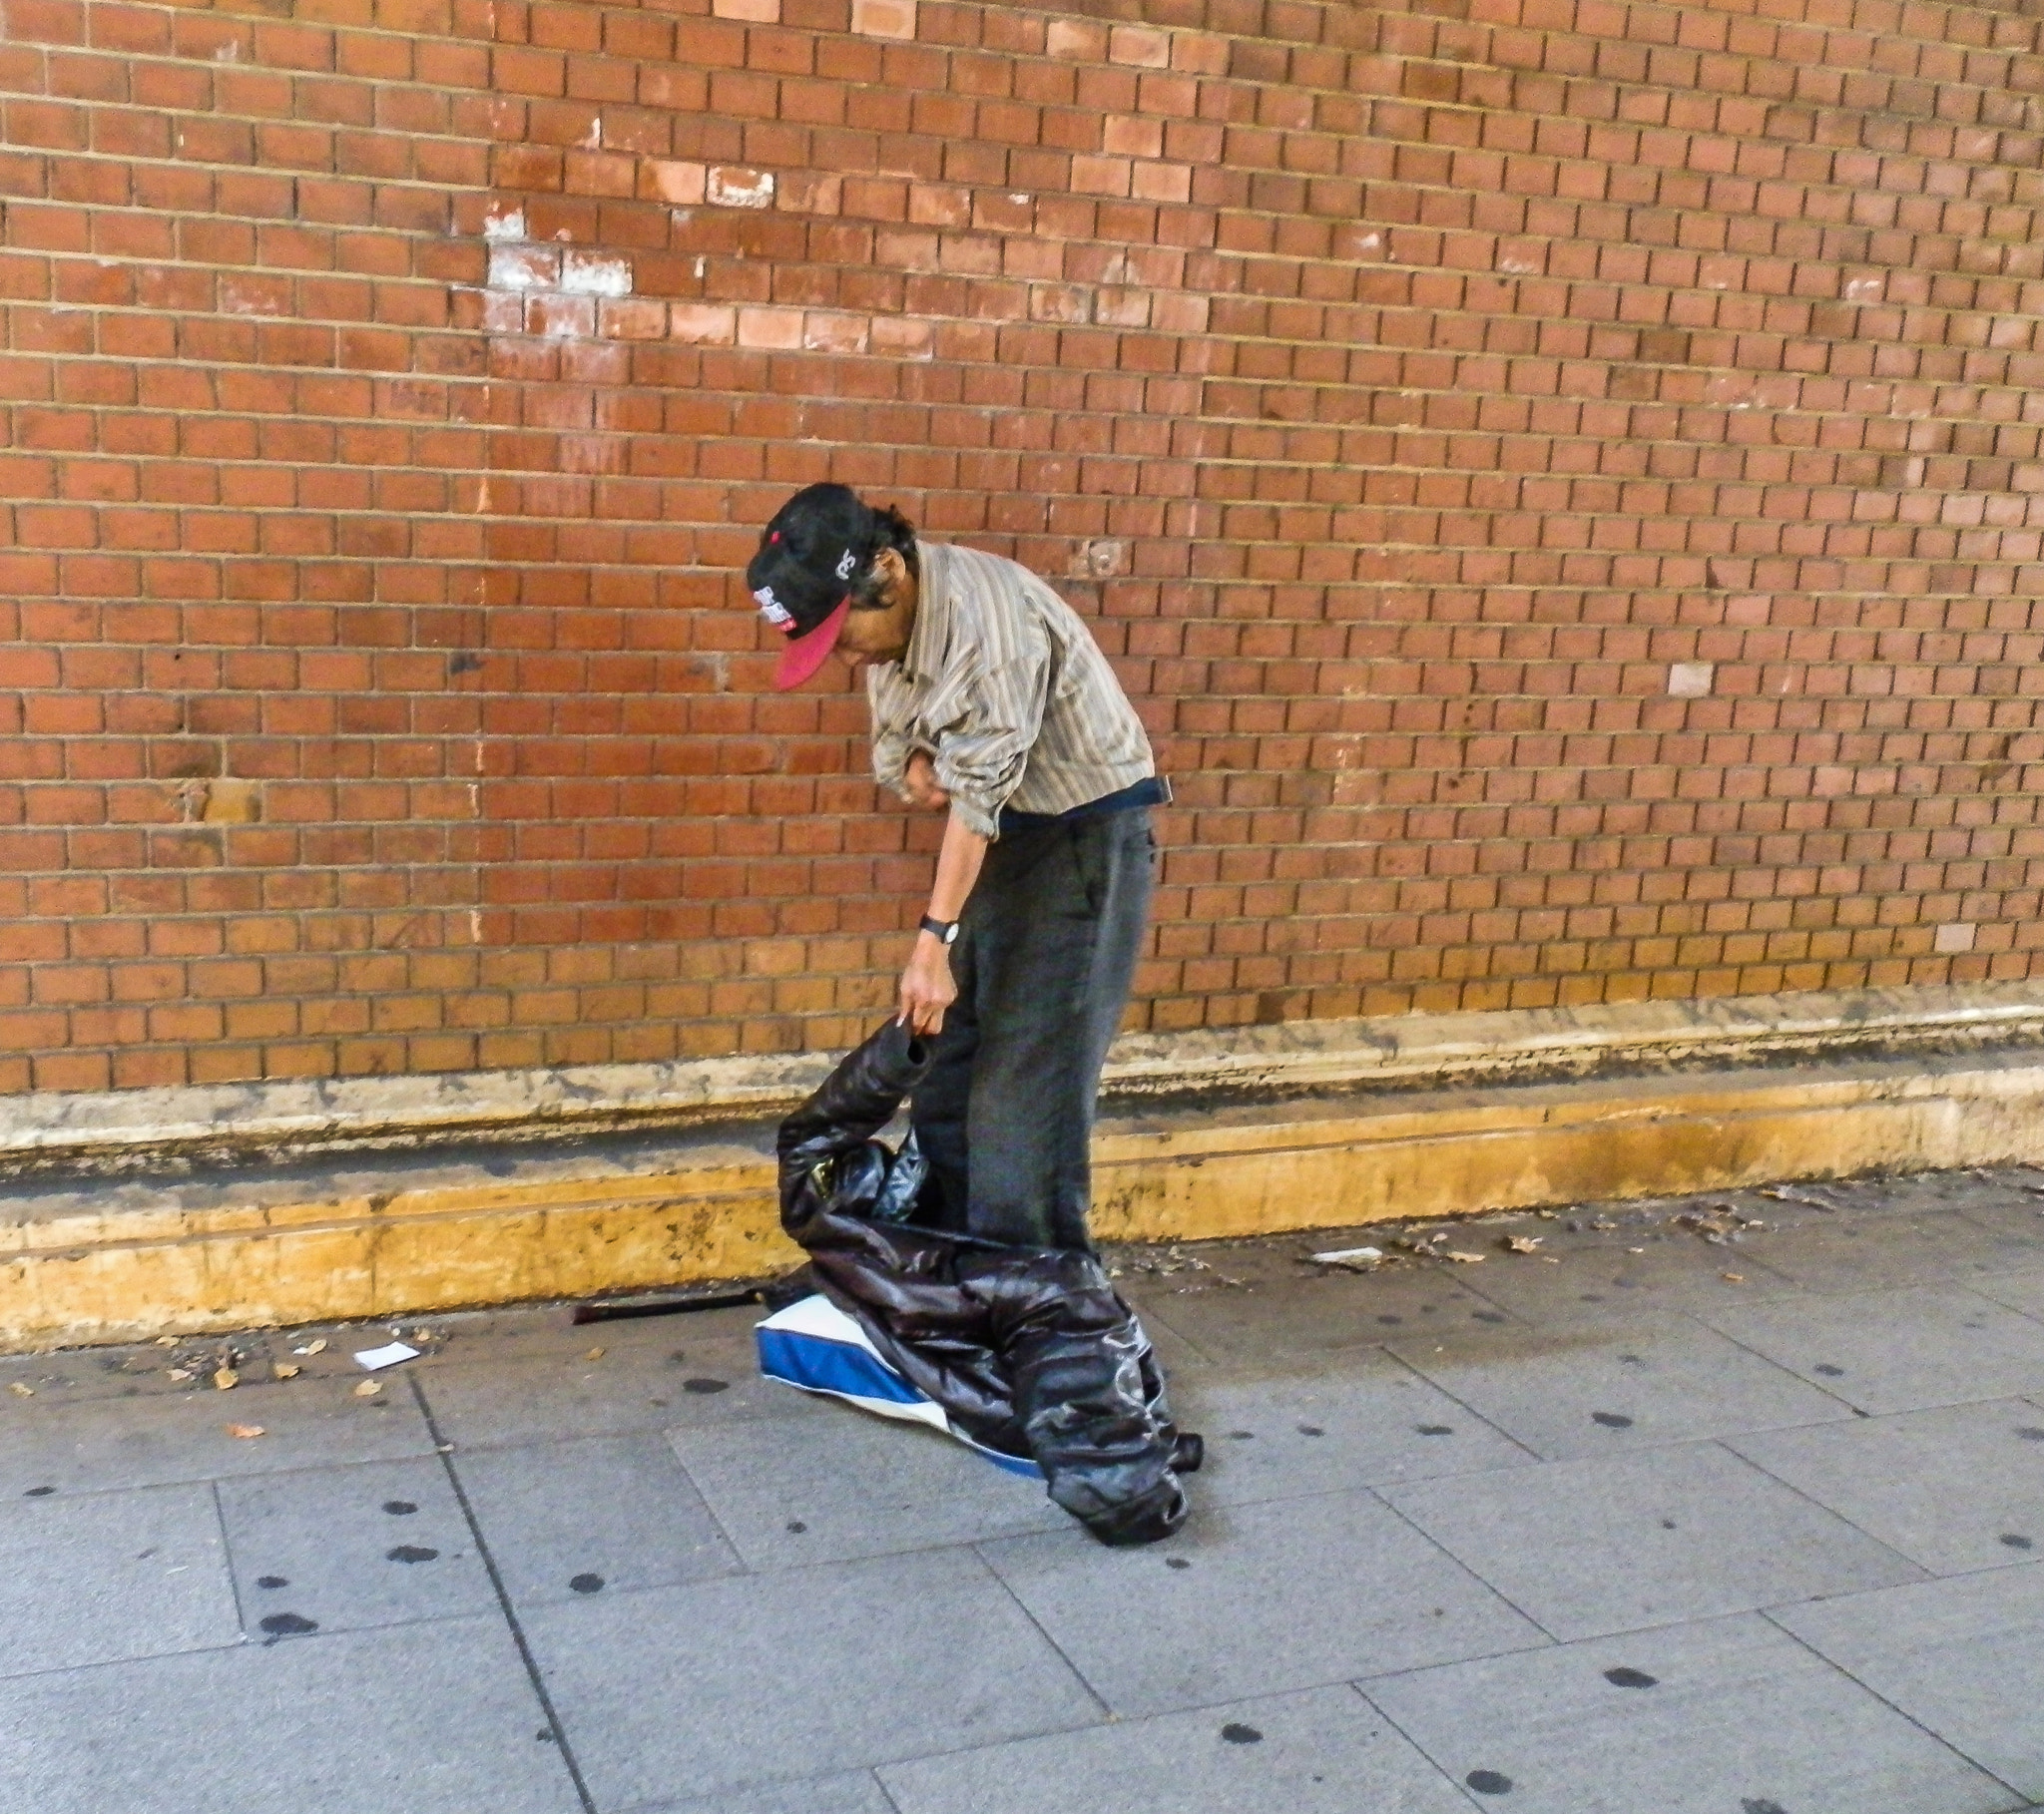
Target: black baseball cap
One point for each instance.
(817, 544)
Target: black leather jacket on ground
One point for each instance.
(1031, 1351)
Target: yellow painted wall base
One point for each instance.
(75, 1273)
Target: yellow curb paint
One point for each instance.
(81, 1278)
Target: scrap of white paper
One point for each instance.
(1356, 1259)
(374, 1358)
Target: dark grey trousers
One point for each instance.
(1046, 951)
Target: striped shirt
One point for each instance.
(1004, 689)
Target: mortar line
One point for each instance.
(446, 1451)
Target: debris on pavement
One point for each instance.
(283, 1370)
(389, 1355)
(314, 1347)
(1525, 1244)
(226, 1379)
(19, 1390)
(1351, 1259)
(369, 1388)
(247, 1432)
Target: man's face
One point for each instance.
(882, 635)
(874, 636)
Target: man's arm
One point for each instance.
(927, 985)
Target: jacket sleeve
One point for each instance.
(853, 1104)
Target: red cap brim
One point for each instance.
(805, 654)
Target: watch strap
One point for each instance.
(944, 931)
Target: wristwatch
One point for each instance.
(945, 930)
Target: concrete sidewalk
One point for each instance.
(1665, 1516)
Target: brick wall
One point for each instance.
(1561, 478)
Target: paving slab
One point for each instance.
(1592, 1278)
(1314, 1428)
(2021, 1289)
(1316, 1317)
(351, 1723)
(691, 1692)
(849, 1792)
(479, 1401)
(341, 1548)
(1256, 1599)
(1709, 1718)
(106, 1575)
(1325, 1751)
(790, 1492)
(1961, 1657)
(1606, 1390)
(1863, 1252)
(1956, 1489)
(1589, 1548)
(152, 1441)
(613, 1513)
(1899, 1350)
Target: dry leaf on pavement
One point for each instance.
(282, 1371)
(1523, 1243)
(594, 1355)
(318, 1347)
(1732, 1279)
(227, 1379)
(246, 1431)
(19, 1390)
(1463, 1259)
(369, 1388)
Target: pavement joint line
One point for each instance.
(1356, 1689)
(1767, 1473)
(1935, 1738)
(555, 1724)
(227, 1556)
(1526, 1449)
(1078, 1674)
(1455, 1561)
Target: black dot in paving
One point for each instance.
(797, 1526)
(544, 1737)
(1391, 1319)
(289, 1624)
(1489, 1782)
(1310, 1430)
(1587, 1297)
(1611, 1420)
(1631, 1678)
(1434, 1429)
(1237, 1734)
(1668, 1523)
(2028, 1432)
(1826, 1370)
(39, 1493)
(1176, 1561)
(1242, 1436)
(704, 1386)
(1749, 1804)
(271, 1580)
(1487, 1316)
(586, 1583)
(2009, 1539)
(400, 1508)
(411, 1553)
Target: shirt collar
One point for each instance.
(923, 660)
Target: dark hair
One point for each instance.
(886, 528)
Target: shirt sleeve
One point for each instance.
(981, 756)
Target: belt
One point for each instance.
(1151, 790)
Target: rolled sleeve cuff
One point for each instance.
(978, 797)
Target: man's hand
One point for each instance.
(921, 778)
(926, 986)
